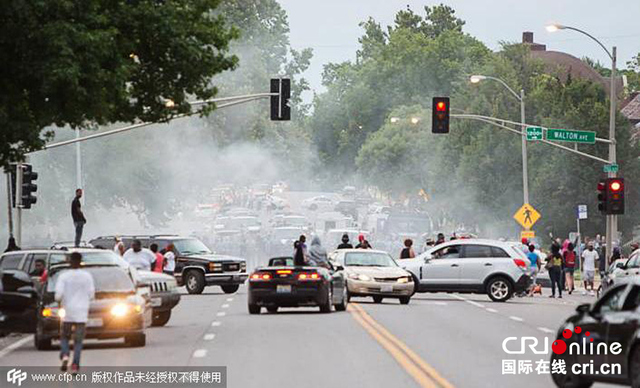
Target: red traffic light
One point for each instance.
(615, 185)
(441, 106)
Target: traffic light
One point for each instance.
(28, 186)
(615, 196)
(611, 196)
(440, 115)
(280, 109)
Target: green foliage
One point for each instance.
(79, 63)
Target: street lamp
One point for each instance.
(612, 220)
(394, 120)
(415, 120)
(525, 170)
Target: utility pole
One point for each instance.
(525, 167)
(612, 219)
(19, 172)
(9, 204)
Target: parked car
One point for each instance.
(490, 267)
(613, 318)
(320, 202)
(374, 274)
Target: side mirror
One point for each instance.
(339, 267)
(583, 308)
(621, 265)
(428, 258)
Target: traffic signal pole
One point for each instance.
(525, 167)
(612, 220)
(19, 171)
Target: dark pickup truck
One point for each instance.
(196, 266)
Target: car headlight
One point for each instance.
(362, 277)
(120, 310)
(404, 279)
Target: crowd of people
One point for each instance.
(152, 259)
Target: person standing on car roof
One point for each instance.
(158, 264)
(440, 239)
(345, 242)
(364, 244)
(74, 290)
(78, 217)
(170, 259)
(139, 257)
(317, 254)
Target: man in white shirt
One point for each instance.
(74, 292)
(589, 258)
(140, 258)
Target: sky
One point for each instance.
(330, 27)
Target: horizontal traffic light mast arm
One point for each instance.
(501, 124)
(236, 100)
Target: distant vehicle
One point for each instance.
(406, 224)
(614, 317)
(375, 274)
(279, 188)
(282, 239)
(295, 220)
(324, 222)
(196, 266)
(120, 308)
(624, 269)
(320, 202)
(70, 244)
(490, 267)
(206, 211)
(281, 284)
(349, 191)
(244, 223)
(348, 208)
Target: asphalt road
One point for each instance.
(439, 340)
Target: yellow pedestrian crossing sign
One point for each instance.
(526, 216)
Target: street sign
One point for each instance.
(534, 133)
(528, 234)
(611, 168)
(526, 216)
(582, 212)
(571, 136)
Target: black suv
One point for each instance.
(196, 266)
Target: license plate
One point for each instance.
(386, 288)
(283, 289)
(233, 267)
(155, 302)
(94, 322)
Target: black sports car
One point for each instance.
(281, 284)
(602, 341)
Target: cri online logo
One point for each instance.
(16, 376)
(559, 346)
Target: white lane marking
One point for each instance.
(545, 330)
(475, 304)
(209, 337)
(491, 310)
(229, 299)
(517, 319)
(224, 306)
(440, 303)
(221, 314)
(15, 345)
(216, 323)
(458, 297)
(200, 353)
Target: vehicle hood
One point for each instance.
(378, 272)
(149, 276)
(212, 257)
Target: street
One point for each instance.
(438, 340)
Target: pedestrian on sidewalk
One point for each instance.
(589, 258)
(74, 290)
(554, 266)
(569, 260)
(78, 217)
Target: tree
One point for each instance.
(81, 63)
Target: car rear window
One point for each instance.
(498, 252)
(11, 261)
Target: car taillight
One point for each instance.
(520, 263)
(309, 276)
(260, 276)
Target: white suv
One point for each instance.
(490, 267)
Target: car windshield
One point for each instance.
(368, 259)
(93, 257)
(287, 234)
(105, 279)
(190, 246)
(295, 221)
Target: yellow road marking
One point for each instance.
(424, 374)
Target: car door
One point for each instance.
(18, 302)
(441, 269)
(622, 327)
(595, 324)
(476, 263)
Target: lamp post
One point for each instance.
(612, 220)
(525, 170)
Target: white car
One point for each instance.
(320, 202)
(491, 267)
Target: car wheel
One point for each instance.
(272, 309)
(405, 299)
(41, 342)
(326, 307)
(568, 380)
(136, 340)
(499, 289)
(416, 284)
(194, 281)
(230, 288)
(160, 318)
(377, 299)
(634, 367)
(342, 306)
(254, 309)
